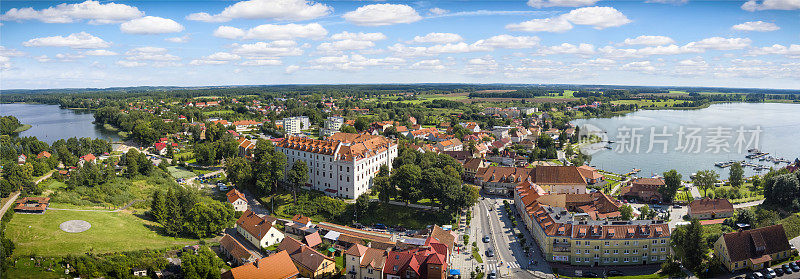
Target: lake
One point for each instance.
(719, 133)
(51, 123)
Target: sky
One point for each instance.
(56, 44)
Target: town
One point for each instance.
(374, 187)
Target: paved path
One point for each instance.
(695, 192)
(9, 203)
(46, 176)
(748, 204)
(97, 210)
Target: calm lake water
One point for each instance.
(51, 123)
(716, 126)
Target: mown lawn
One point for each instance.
(110, 232)
(178, 172)
(791, 225)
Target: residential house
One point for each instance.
(309, 262)
(429, 262)
(471, 167)
(235, 251)
(591, 174)
(362, 262)
(753, 249)
(710, 209)
(43, 154)
(300, 226)
(246, 125)
(643, 189)
(260, 231)
(332, 125)
(507, 158)
(471, 126)
(21, 159)
(246, 147)
(87, 158)
(549, 179)
(276, 266)
(160, 148)
(238, 200)
(449, 145)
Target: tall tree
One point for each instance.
(736, 174)
(705, 179)
(297, 176)
(672, 181)
(239, 171)
(626, 212)
(158, 207)
(689, 246)
(407, 178)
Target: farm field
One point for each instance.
(110, 232)
(649, 103)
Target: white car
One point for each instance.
(223, 188)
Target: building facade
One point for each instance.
(342, 165)
(260, 231)
(332, 125)
(753, 249)
(296, 125)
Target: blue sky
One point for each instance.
(60, 44)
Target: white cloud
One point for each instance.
(292, 68)
(791, 51)
(345, 45)
(438, 38)
(5, 63)
(93, 11)
(74, 40)
(720, 43)
(150, 25)
(694, 62)
(100, 52)
(229, 32)
(273, 32)
(359, 36)
(382, 14)
(759, 26)
(181, 39)
(667, 50)
(267, 9)
(150, 54)
(556, 25)
(262, 62)
(10, 52)
(271, 49)
(353, 62)
(507, 41)
(485, 61)
(755, 5)
(640, 66)
(432, 64)
(599, 17)
(560, 3)
(199, 62)
(600, 62)
(649, 40)
(566, 48)
(129, 64)
(223, 56)
(438, 11)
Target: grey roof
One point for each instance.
(332, 235)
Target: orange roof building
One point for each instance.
(276, 266)
(342, 165)
(260, 231)
(32, 205)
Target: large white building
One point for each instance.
(332, 126)
(342, 165)
(295, 125)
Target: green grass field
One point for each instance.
(22, 128)
(110, 232)
(178, 172)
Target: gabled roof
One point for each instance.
(276, 266)
(236, 249)
(755, 243)
(234, 195)
(313, 239)
(255, 225)
(299, 218)
(707, 205)
(301, 254)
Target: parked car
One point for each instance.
(614, 272)
(778, 271)
(379, 226)
(787, 269)
(489, 252)
(795, 267)
(589, 274)
(771, 272)
(224, 188)
(758, 275)
(492, 275)
(485, 239)
(768, 273)
(677, 206)
(750, 276)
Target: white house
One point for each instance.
(238, 200)
(342, 165)
(259, 230)
(363, 262)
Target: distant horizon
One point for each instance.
(398, 83)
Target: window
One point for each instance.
(663, 241)
(586, 243)
(606, 243)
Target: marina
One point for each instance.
(755, 154)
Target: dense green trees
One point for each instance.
(736, 174)
(626, 212)
(781, 188)
(689, 245)
(184, 212)
(8, 124)
(672, 181)
(297, 176)
(705, 179)
(203, 265)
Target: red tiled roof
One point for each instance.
(234, 195)
(276, 266)
(755, 243)
(255, 225)
(707, 205)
